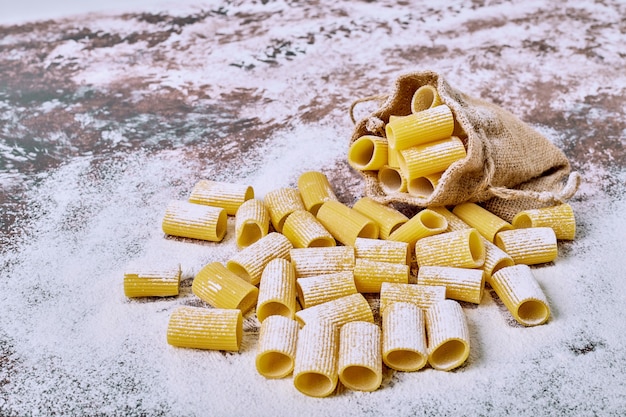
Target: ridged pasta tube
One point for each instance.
(462, 284)
(315, 189)
(369, 275)
(345, 223)
(252, 222)
(151, 282)
(315, 372)
(360, 364)
(323, 260)
(276, 350)
(387, 218)
(521, 294)
(447, 334)
(250, 262)
(393, 157)
(535, 245)
(404, 345)
(382, 250)
(304, 231)
(560, 218)
(338, 311)
(392, 179)
(221, 288)
(228, 196)
(424, 186)
(422, 296)
(431, 158)
(281, 203)
(194, 221)
(418, 128)
(425, 97)
(424, 223)
(277, 290)
(319, 289)
(481, 219)
(461, 248)
(205, 328)
(368, 153)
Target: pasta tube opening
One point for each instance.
(405, 360)
(368, 153)
(423, 186)
(449, 354)
(425, 97)
(533, 312)
(391, 180)
(274, 364)
(477, 249)
(360, 378)
(314, 384)
(273, 308)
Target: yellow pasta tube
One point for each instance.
(360, 364)
(151, 282)
(481, 219)
(339, 311)
(277, 290)
(418, 128)
(521, 294)
(448, 335)
(462, 284)
(368, 153)
(387, 218)
(393, 157)
(315, 189)
(424, 223)
(319, 289)
(252, 222)
(535, 245)
(304, 231)
(462, 249)
(276, 350)
(369, 275)
(345, 223)
(422, 296)
(323, 260)
(228, 196)
(560, 218)
(315, 372)
(404, 345)
(424, 186)
(223, 289)
(194, 221)
(250, 262)
(392, 179)
(425, 97)
(205, 328)
(382, 250)
(430, 158)
(281, 203)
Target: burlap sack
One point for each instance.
(509, 166)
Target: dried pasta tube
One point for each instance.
(339, 311)
(387, 218)
(535, 245)
(250, 262)
(431, 158)
(422, 296)
(404, 345)
(315, 190)
(281, 203)
(345, 223)
(205, 328)
(304, 231)
(382, 250)
(368, 153)
(277, 290)
(393, 157)
(454, 222)
(425, 97)
(521, 294)
(461, 248)
(276, 351)
(151, 282)
(315, 371)
(228, 196)
(369, 275)
(560, 218)
(423, 224)
(194, 221)
(424, 186)
(319, 289)
(223, 289)
(462, 284)
(360, 363)
(481, 219)
(418, 128)
(323, 260)
(252, 222)
(448, 335)
(392, 179)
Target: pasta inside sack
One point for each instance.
(509, 166)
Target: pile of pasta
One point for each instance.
(331, 285)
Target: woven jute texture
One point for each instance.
(509, 165)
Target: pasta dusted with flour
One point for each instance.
(303, 230)
(345, 223)
(462, 249)
(448, 335)
(423, 224)
(281, 203)
(194, 221)
(228, 196)
(252, 222)
(250, 262)
(276, 351)
(559, 218)
(422, 296)
(277, 290)
(404, 337)
(387, 218)
(143, 281)
(205, 328)
(462, 284)
(360, 365)
(323, 260)
(487, 223)
(315, 372)
(319, 289)
(382, 250)
(339, 311)
(530, 246)
(221, 288)
(369, 275)
(315, 190)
